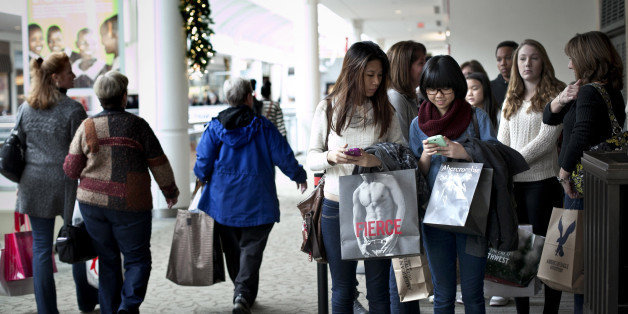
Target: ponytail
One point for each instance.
(43, 92)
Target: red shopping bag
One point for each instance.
(19, 251)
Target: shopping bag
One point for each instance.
(379, 215)
(91, 267)
(516, 268)
(196, 253)
(413, 277)
(562, 261)
(19, 251)
(460, 198)
(14, 287)
(507, 291)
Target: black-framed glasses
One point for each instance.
(434, 91)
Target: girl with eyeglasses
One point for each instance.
(447, 113)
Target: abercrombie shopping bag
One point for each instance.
(379, 215)
(413, 277)
(460, 198)
(516, 268)
(562, 261)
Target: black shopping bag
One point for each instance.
(379, 215)
(460, 198)
(516, 268)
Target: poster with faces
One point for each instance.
(85, 30)
(379, 215)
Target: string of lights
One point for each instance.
(197, 21)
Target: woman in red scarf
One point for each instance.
(447, 113)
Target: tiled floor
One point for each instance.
(287, 284)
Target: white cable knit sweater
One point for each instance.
(535, 140)
(357, 135)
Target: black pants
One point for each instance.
(244, 248)
(535, 201)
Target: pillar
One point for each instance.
(358, 29)
(163, 89)
(307, 71)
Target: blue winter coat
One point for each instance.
(238, 165)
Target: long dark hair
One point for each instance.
(349, 90)
(490, 104)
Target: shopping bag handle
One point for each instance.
(19, 220)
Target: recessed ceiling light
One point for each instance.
(397, 11)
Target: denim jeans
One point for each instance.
(343, 272)
(114, 232)
(43, 279)
(443, 247)
(397, 306)
(577, 204)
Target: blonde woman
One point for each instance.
(532, 85)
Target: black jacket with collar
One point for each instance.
(506, 162)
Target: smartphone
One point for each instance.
(353, 152)
(437, 139)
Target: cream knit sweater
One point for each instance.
(361, 133)
(535, 140)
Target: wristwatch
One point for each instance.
(560, 180)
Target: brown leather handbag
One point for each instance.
(310, 209)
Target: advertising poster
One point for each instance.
(85, 30)
(379, 215)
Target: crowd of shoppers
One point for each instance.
(396, 97)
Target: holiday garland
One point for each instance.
(196, 21)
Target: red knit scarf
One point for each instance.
(452, 124)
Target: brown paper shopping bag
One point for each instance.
(414, 280)
(562, 261)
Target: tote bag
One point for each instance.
(379, 215)
(460, 198)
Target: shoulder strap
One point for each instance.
(616, 128)
(329, 116)
(474, 119)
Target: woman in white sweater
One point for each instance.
(532, 85)
(361, 116)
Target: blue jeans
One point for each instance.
(442, 248)
(397, 306)
(114, 232)
(577, 204)
(43, 278)
(343, 272)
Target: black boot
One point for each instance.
(241, 306)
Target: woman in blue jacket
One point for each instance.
(236, 158)
(447, 113)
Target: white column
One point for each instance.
(163, 88)
(358, 29)
(307, 71)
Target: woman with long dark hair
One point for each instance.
(361, 116)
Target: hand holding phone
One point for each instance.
(353, 152)
(437, 139)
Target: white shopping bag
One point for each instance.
(91, 267)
